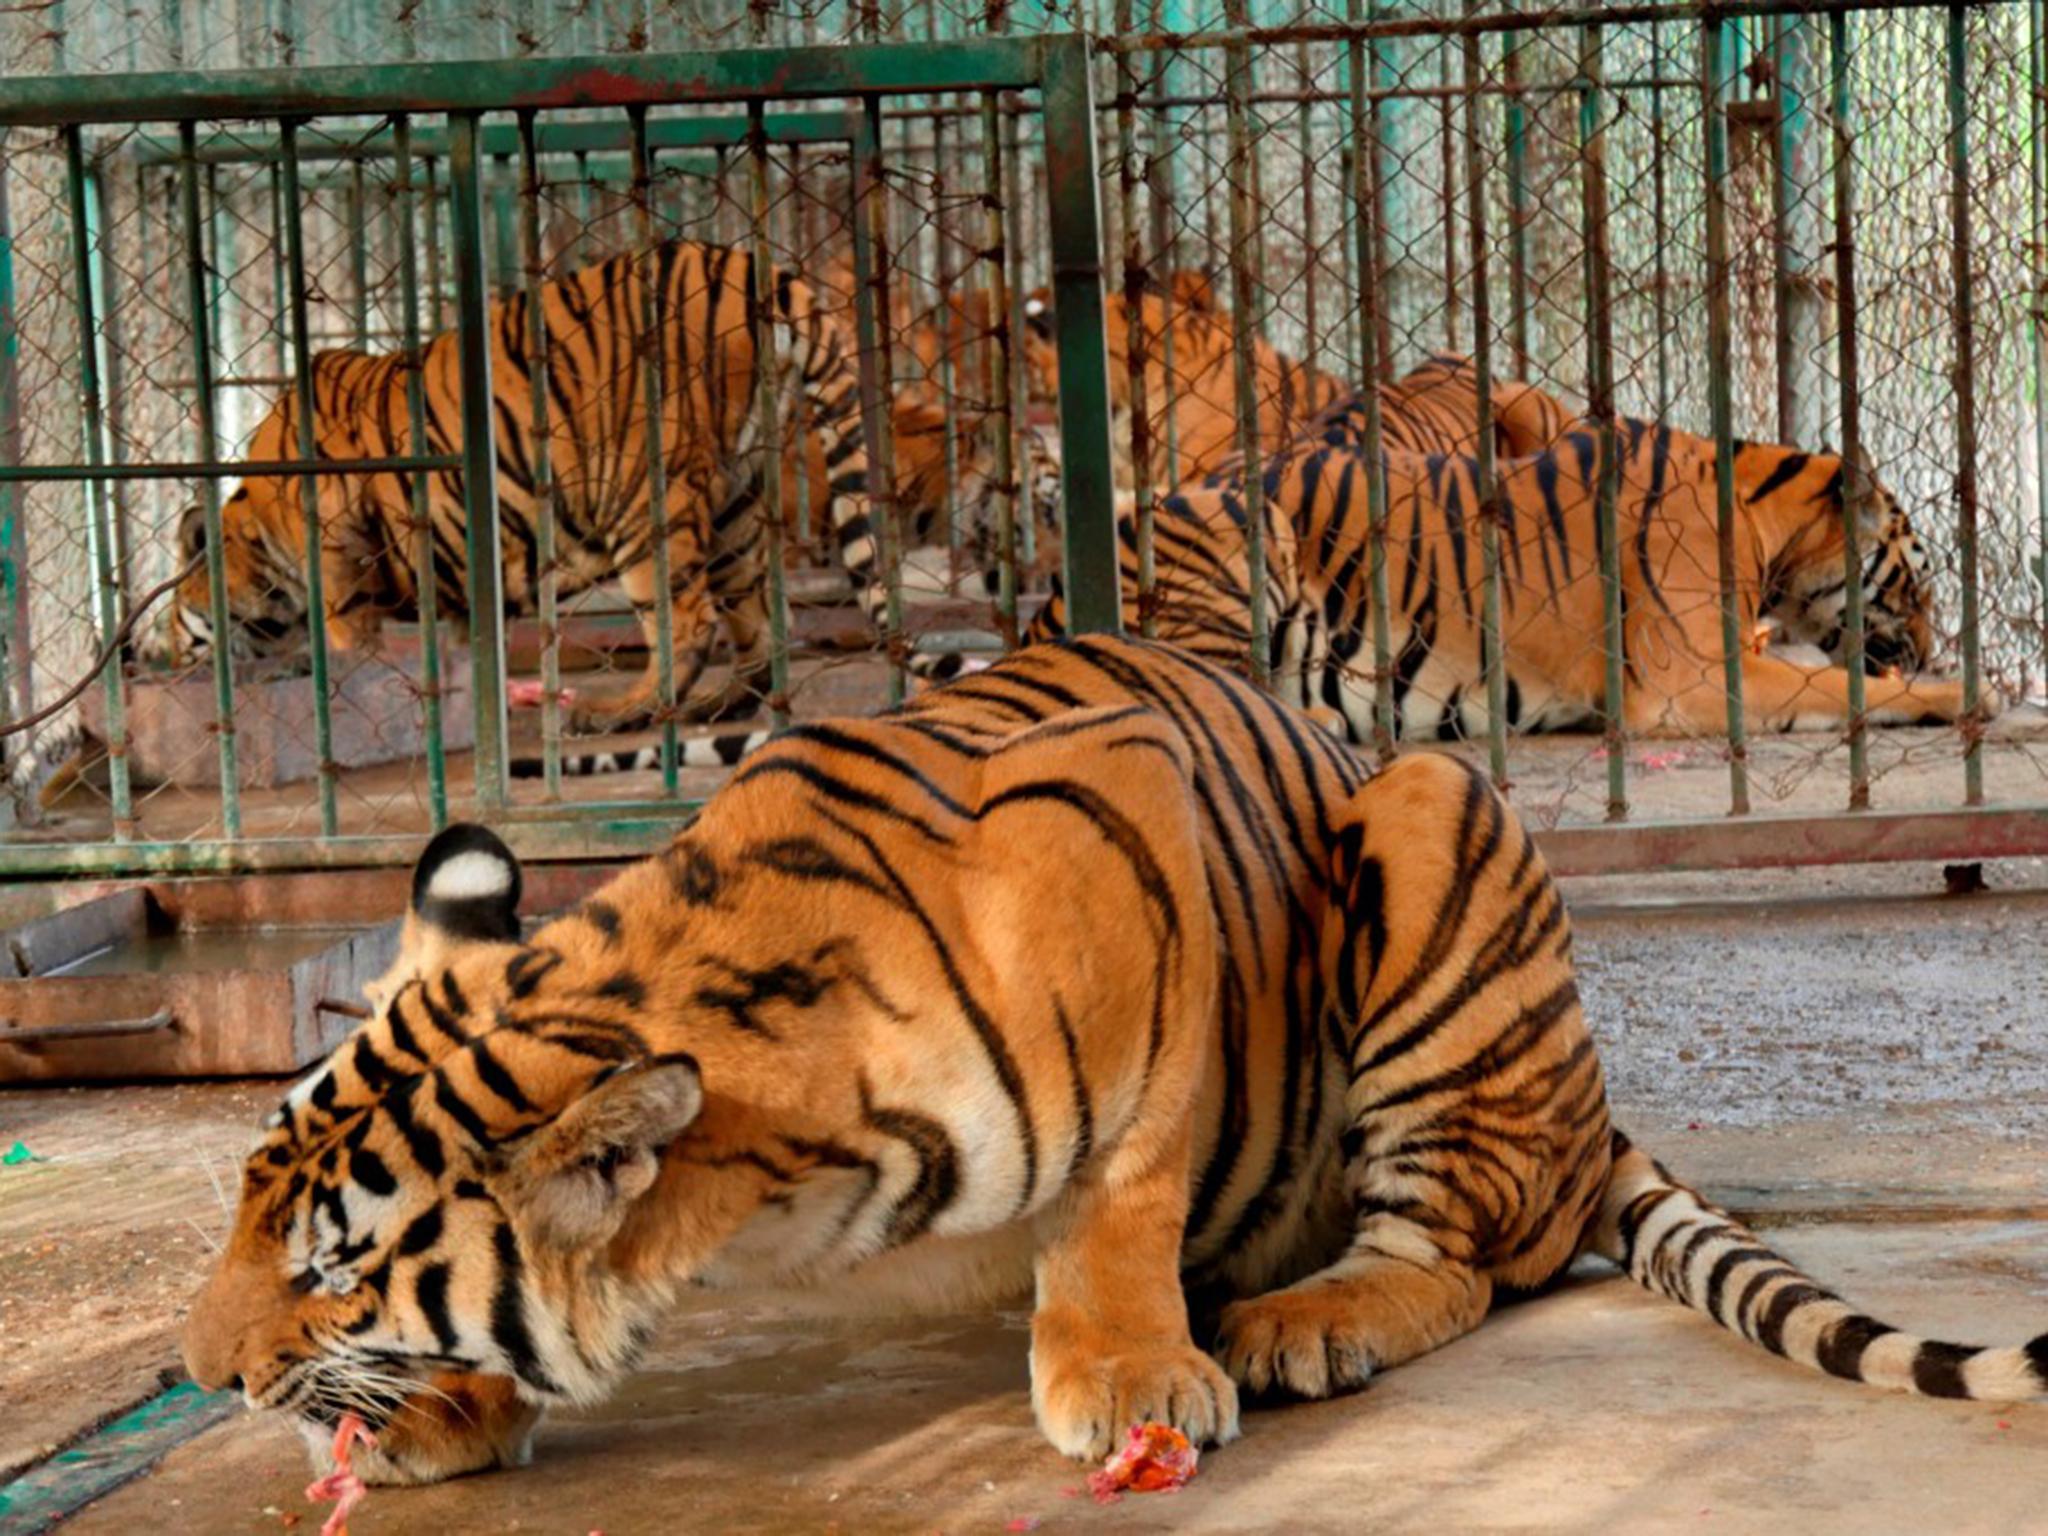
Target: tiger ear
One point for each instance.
(571, 1182)
(1192, 289)
(192, 532)
(1038, 314)
(465, 890)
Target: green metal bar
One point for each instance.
(432, 231)
(1001, 424)
(491, 85)
(218, 614)
(2037, 100)
(193, 469)
(1493, 641)
(654, 389)
(545, 515)
(871, 310)
(357, 206)
(1714, 45)
(1137, 346)
(309, 486)
(504, 229)
(1966, 397)
(761, 321)
(1244, 258)
(1365, 201)
(1087, 468)
(1857, 488)
(480, 459)
(106, 585)
(1600, 406)
(425, 577)
(280, 323)
(113, 382)
(15, 652)
(1517, 128)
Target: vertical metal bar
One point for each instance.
(479, 457)
(1856, 481)
(1137, 357)
(1001, 424)
(1371, 305)
(15, 652)
(1244, 259)
(208, 444)
(1966, 396)
(1518, 203)
(871, 307)
(112, 379)
(1493, 641)
(425, 575)
(761, 319)
(1312, 247)
(544, 511)
(1088, 472)
(107, 585)
(1164, 193)
(2037, 246)
(1600, 403)
(796, 213)
(654, 388)
(1376, 156)
(309, 487)
(1714, 55)
(280, 318)
(940, 226)
(359, 255)
(431, 209)
(1448, 189)
(1660, 223)
(504, 228)
(1013, 247)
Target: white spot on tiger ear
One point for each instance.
(470, 876)
(301, 1091)
(1034, 307)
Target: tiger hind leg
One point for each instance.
(1477, 1148)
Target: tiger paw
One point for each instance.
(1086, 1402)
(1311, 1343)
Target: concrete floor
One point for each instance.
(1861, 1067)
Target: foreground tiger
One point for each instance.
(1092, 972)
(598, 461)
(1790, 580)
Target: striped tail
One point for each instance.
(1674, 1242)
(691, 752)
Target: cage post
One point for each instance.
(504, 228)
(869, 216)
(761, 322)
(479, 457)
(106, 578)
(1794, 219)
(113, 379)
(2037, 97)
(1373, 150)
(1137, 330)
(1163, 193)
(358, 205)
(209, 489)
(1448, 194)
(425, 576)
(800, 249)
(1001, 423)
(1714, 57)
(1013, 248)
(1660, 222)
(1856, 483)
(1492, 505)
(1600, 402)
(15, 653)
(309, 487)
(430, 229)
(1966, 395)
(1088, 471)
(654, 385)
(1366, 211)
(1517, 127)
(545, 517)
(1244, 257)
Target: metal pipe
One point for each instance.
(1492, 504)
(546, 557)
(1966, 398)
(309, 488)
(16, 654)
(1660, 223)
(357, 206)
(767, 363)
(1137, 329)
(2037, 74)
(106, 588)
(198, 469)
(1518, 205)
(1001, 423)
(654, 385)
(425, 576)
(218, 613)
(1245, 259)
(1365, 125)
(480, 459)
(1713, 43)
(1600, 407)
(870, 217)
(1856, 488)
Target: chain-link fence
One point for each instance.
(1708, 230)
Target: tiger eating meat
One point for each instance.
(1089, 974)
(595, 323)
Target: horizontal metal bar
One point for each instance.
(30, 1036)
(1784, 842)
(1557, 18)
(630, 832)
(578, 138)
(604, 80)
(249, 469)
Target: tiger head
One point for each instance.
(424, 1228)
(1805, 597)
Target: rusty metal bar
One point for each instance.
(655, 384)
(1245, 246)
(1001, 424)
(540, 455)
(1493, 642)
(767, 357)
(1966, 397)
(1600, 406)
(1856, 481)
(1138, 343)
(1365, 202)
(870, 215)
(1519, 213)
(2037, 99)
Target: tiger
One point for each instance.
(1790, 583)
(595, 325)
(1100, 976)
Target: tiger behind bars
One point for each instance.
(1098, 973)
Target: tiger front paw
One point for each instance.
(1086, 1401)
(1305, 1342)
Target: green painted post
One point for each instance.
(760, 303)
(540, 457)
(1088, 472)
(1966, 396)
(196, 302)
(1518, 203)
(100, 534)
(479, 458)
(1493, 640)
(654, 389)
(1600, 404)
(425, 575)
(1714, 55)
(1856, 485)
(1365, 205)
(309, 486)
